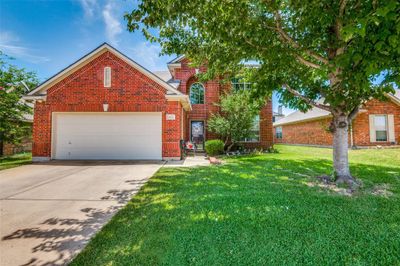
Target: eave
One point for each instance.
(183, 99)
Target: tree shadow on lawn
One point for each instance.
(252, 210)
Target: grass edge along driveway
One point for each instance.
(258, 210)
(15, 160)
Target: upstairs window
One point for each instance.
(278, 132)
(196, 93)
(240, 84)
(107, 77)
(255, 131)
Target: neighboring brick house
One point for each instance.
(106, 106)
(377, 123)
(278, 115)
(25, 145)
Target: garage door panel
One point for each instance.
(107, 136)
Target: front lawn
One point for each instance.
(15, 160)
(258, 210)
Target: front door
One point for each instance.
(197, 134)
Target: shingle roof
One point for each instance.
(313, 114)
(397, 94)
(167, 77)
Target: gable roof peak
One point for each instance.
(177, 59)
(89, 57)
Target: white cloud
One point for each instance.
(10, 45)
(7, 37)
(113, 25)
(147, 54)
(89, 7)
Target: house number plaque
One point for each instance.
(170, 116)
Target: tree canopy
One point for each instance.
(14, 83)
(297, 43)
(332, 54)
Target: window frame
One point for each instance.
(237, 84)
(386, 127)
(258, 118)
(204, 93)
(107, 77)
(278, 135)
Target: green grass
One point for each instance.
(15, 160)
(258, 210)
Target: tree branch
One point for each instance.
(293, 43)
(342, 7)
(353, 114)
(339, 25)
(307, 100)
(298, 57)
(307, 63)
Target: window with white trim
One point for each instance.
(239, 84)
(255, 131)
(278, 132)
(381, 127)
(107, 77)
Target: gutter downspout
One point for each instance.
(351, 135)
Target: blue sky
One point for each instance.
(46, 36)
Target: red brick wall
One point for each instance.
(213, 90)
(361, 122)
(83, 91)
(172, 132)
(315, 133)
(24, 146)
(311, 133)
(200, 112)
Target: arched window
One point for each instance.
(196, 93)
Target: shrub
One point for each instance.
(214, 147)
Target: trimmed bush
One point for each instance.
(214, 147)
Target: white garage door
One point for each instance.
(107, 136)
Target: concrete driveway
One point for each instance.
(49, 211)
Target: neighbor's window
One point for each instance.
(278, 132)
(380, 122)
(197, 93)
(107, 77)
(255, 131)
(240, 84)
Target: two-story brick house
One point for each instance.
(106, 106)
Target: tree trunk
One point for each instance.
(340, 150)
(230, 146)
(226, 143)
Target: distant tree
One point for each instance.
(331, 54)
(236, 119)
(14, 83)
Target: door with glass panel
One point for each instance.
(197, 134)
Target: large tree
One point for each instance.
(331, 54)
(14, 83)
